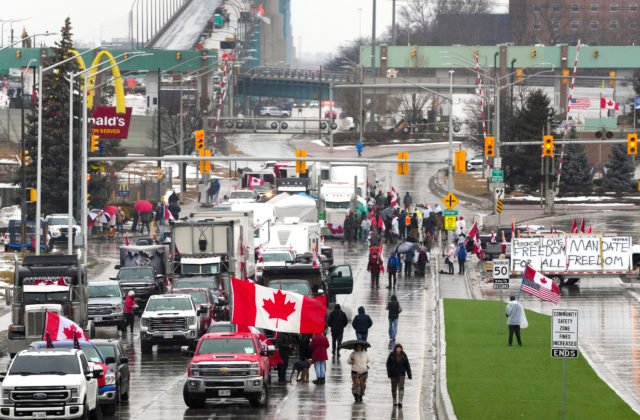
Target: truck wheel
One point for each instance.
(96, 413)
(261, 399)
(146, 347)
(85, 412)
(190, 400)
(572, 281)
(108, 410)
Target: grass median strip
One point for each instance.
(488, 379)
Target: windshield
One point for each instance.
(107, 350)
(112, 290)
(169, 304)
(296, 286)
(196, 284)
(198, 297)
(135, 273)
(200, 268)
(61, 221)
(92, 354)
(227, 345)
(241, 194)
(221, 327)
(337, 204)
(41, 297)
(60, 365)
(276, 257)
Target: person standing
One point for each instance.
(319, 345)
(451, 257)
(461, 255)
(515, 317)
(423, 259)
(361, 324)
(392, 269)
(285, 345)
(395, 229)
(408, 261)
(365, 226)
(348, 229)
(394, 309)
(337, 322)
(129, 311)
(120, 221)
(374, 267)
(397, 368)
(407, 201)
(359, 361)
(402, 225)
(359, 147)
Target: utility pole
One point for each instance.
(373, 40)
(393, 23)
(159, 128)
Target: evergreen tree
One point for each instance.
(619, 171)
(522, 163)
(576, 172)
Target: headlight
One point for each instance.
(144, 322)
(117, 308)
(74, 390)
(254, 369)
(110, 378)
(5, 392)
(191, 320)
(195, 373)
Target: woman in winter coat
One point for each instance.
(451, 257)
(359, 361)
(319, 345)
(397, 368)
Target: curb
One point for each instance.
(438, 189)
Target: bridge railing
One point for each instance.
(300, 75)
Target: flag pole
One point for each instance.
(521, 281)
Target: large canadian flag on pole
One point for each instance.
(254, 181)
(276, 310)
(59, 328)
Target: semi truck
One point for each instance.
(46, 283)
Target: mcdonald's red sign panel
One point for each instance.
(108, 124)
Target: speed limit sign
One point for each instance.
(501, 274)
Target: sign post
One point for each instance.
(499, 200)
(564, 342)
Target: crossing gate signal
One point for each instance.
(632, 144)
(547, 145)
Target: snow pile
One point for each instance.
(9, 213)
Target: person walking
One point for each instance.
(361, 324)
(319, 345)
(129, 311)
(392, 269)
(407, 201)
(408, 262)
(337, 322)
(395, 229)
(145, 219)
(349, 229)
(397, 368)
(394, 310)
(423, 259)
(450, 258)
(359, 361)
(515, 319)
(365, 227)
(461, 255)
(285, 344)
(359, 147)
(374, 267)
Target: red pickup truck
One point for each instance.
(228, 365)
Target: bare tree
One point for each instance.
(413, 107)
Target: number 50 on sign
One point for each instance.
(501, 274)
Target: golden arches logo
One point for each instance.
(91, 80)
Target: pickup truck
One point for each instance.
(169, 319)
(311, 281)
(50, 383)
(105, 305)
(228, 365)
(143, 280)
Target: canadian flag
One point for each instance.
(315, 261)
(474, 233)
(276, 310)
(608, 104)
(59, 328)
(253, 182)
(574, 226)
(394, 198)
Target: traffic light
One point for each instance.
(199, 140)
(612, 75)
(519, 75)
(33, 195)
(95, 144)
(547, 145)
(18, 54)
(178, 56)
(205, 165)
(632, 144)
(533, 53)
(301, 165)
(489, 146)
(125, 56)
(26, 159)
(596, 53)
(159, 174)
(403, 167)
(565, 76)
(414, 52)
(88, 198)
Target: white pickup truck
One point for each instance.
(169, 319)
(51, 384)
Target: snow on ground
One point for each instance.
(595, 199)
(186, 29)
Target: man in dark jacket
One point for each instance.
(394, 309)
(337, 322)
(285, 344)
(361, 323)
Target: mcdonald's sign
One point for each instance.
(108, 124)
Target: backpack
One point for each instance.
(392, 263)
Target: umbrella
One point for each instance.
(143, 206)
(111, 210)
(99, 216)
(351, 344)
(406, 246)
(388, 212)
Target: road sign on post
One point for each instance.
(403, 167)
(564, 333)
(450, 218)
(497, 175)
(450, 201)
(501, 274)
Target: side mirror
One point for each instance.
(204, 309)
(271, 350)
(117, 267)
(97, 372)
(113, 278)
(320, 292)
(110, 360)
(124, 360)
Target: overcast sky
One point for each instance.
(318, 26)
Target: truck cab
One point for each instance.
(50, 383)
(200, 266)
(228, 365)
(310, 281)
(55, 283)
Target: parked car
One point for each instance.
(117, 362)
(273, 111)
(105, 306)
(58, 225)
(475, 164)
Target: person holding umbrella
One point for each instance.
(359, 360)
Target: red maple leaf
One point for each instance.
(278, 308)
(72, 331)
